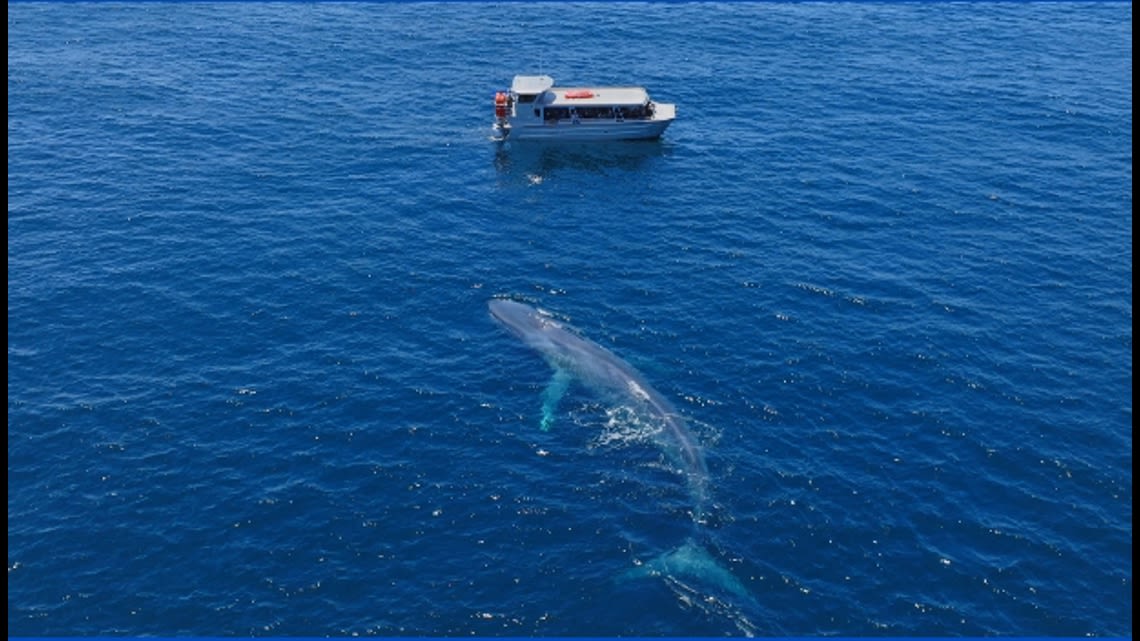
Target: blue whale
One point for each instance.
(575, 358)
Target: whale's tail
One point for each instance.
(692, 561)
(695, 575)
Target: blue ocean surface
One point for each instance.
(881, 265)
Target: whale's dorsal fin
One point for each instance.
(553, 393)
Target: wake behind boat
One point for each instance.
(534, 109)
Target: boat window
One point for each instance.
(596, 112)
(556, 113)
(527, 98)
(633, 112)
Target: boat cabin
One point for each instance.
(534, 107)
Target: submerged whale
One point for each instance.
(575, 358)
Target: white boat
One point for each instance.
(534, 109)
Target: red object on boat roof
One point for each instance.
(580, 93)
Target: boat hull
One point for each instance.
(587, 131)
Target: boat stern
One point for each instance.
(503, 108)
(500, 131)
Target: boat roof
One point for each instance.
(531, 84)
(595, 96)
(577, 96)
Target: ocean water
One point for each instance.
(881, 264)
